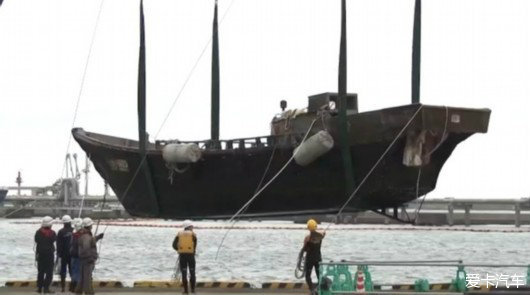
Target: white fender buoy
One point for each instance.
(181, 153)
(314, 147)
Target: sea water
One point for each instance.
(267, 251)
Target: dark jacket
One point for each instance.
(74, 245)
(64, 237)
(45, 238)
(88, 252)
(312, 245)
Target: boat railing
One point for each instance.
(239, 143)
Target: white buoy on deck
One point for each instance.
(314, 147)
(181, 153)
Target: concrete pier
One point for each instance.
(127, 291)
(448, 211)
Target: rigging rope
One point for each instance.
(206, 46)
(354, 193)
(444, 132)
(167, 116)
(416, 215)
(174, 102)
(83, 81)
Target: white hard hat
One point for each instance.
(78, 223)
(67, 219)
(87, 222)
(187, 223)
(47, 221)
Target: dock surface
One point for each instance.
(127, 291)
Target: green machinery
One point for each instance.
(350, 276)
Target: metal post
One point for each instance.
(467, 216)
(403, 212)
(66, 194)
(19, 182)
(517, 215)
(106, 193)
(85, 171)
(450, 214)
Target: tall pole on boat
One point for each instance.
(215, 80)
(141, 84)
(343, 120)
(141, 116)
(416, 53)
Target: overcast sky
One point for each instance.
(474, 54)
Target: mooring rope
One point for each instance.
(176, 271)
(417, 196)
(83, 78)
(245, 206)
(257, 188)
(275, 176)
(300, 270)
(354, 193)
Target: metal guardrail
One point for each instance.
(338, 278)
(433, 263)
(239, 143)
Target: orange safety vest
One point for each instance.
(185, 242)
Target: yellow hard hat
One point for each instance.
(311, 225)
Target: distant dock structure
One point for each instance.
(450, 211)
(62, 197)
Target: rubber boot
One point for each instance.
(63, 283)
(185, 285)
(72, 286)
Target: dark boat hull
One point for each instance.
(223, 180)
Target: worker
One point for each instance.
(185, 244)
(74, 254)
(64, 237)
(88, 254)
(45, 240)
(312, 243)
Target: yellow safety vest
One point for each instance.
(185, 242)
